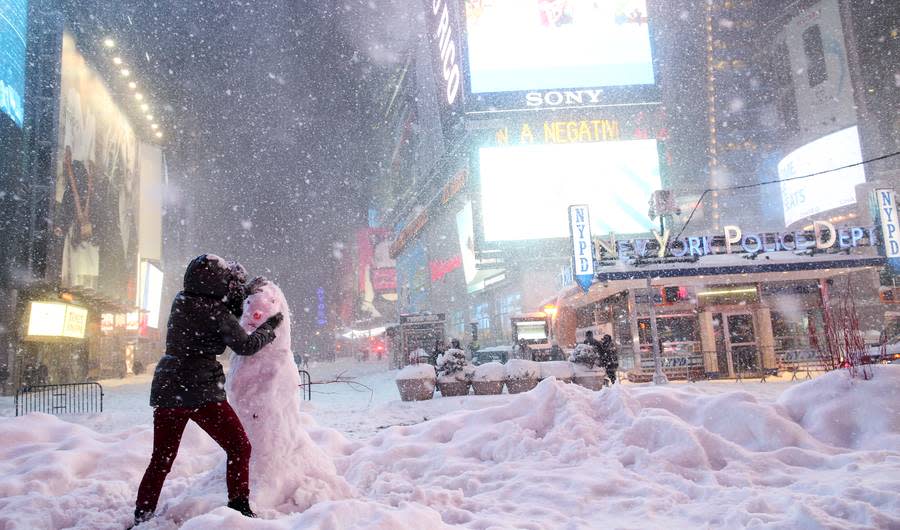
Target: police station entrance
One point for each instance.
(736, 347)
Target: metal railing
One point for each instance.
(70, 398)
(305, 385)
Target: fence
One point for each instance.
(71, 398)
(305, 385)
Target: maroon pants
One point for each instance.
(221, 423)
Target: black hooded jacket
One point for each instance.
(200, 327)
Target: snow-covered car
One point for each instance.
(494, 353)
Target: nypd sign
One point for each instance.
(886, 201)
(582, 248)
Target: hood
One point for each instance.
(207, 275)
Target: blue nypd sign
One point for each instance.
(582, 248)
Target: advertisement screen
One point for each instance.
(13, 30)
(516, 45)
(151, 297)
(803, 198)
(526, 190)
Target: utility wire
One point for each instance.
(778, 181)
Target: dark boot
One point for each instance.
(241, 504)
(142, 516)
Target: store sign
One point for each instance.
(384, 280)
(55, 319)
(443, 267)
(582, 247)
(409, 231)
(890, 226)
(823, 237)
(443, 38)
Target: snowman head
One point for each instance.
(265, 300)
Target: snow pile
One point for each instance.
(416, 371)
(288, 471)
(641, 457)
(562, 370)
(492, 371)
(452, 366)
(822, 455)
(522, 369)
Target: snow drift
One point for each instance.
(823, 455)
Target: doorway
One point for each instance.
(736, 347)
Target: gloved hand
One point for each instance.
(274, 320)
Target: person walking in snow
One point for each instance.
(609, 357)
(189, 383)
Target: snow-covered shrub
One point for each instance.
(418, 356)
(522, 369)
(452, 365)
(585, 355)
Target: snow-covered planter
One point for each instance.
(521, 375)
(454, 373)
(587, 372)
(561, 370)
(489, 378)
(416, 382)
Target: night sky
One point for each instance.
(267, 107)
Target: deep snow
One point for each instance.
(817, 454)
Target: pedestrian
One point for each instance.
(609, 357)
(189, 383)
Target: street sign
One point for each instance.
(582, 245)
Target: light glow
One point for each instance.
(526, 190)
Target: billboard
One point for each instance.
(803, 198)
(151, 292)
(376, 273)
(558, 53)
(96, 206)
(13, 34)
(814, 40)
(526, 190)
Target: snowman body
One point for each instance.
(288, 471)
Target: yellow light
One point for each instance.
(145, 107)
(138, 96)
(150, 117)
(154, 126)
(132, 85)
(728, 291)
(109, 43)
(159, 134)
(125, 72)
(551, 309)
(117, 61)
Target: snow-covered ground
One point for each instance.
(817, 454)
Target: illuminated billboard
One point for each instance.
(558, 53)
(526, 190)
(151, 295)
(13, 32)
(806, 197)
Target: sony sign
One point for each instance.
(448, 61)
(559, 98)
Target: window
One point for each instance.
(816, 69)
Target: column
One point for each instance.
(765, 339)
(708, 342)
(635, 335)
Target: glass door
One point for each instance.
(740, 335)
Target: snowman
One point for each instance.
(288, 471)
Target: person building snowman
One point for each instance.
(189, 383)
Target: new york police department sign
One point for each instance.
(582, 249)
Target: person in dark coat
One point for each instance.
(609, 357)
(189, 383)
